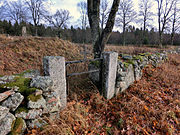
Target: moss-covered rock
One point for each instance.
(138, 57)
(34, 98)
(21, 109)
(22, 83)
(18, 127)
(95, 63)
(23, 73)
(126, 64)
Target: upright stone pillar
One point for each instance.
(54, 66)
(24, 32)
(109, 69)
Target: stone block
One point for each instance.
(37, 123)
(6, 124)
(40, 103)
(13, 101)
(109, 73)
(31, 114)
(55, 68)
(6, 94)
(42, 82)
(3, 112)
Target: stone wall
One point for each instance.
(118, 73)
(27, 97)
(129, 68)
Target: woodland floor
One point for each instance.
(151, 106)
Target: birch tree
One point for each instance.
(82, 7)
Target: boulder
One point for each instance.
(31, 74)
(6, 94)
(31, 114)
(42, 82)
(3, 112)
(37, 123)
(13, 101)
(40, 103)
(6, 124)
(18, 127)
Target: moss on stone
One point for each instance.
(34, 98)
(23, 73)
(17, 126)
(22, 83)
(21, 109)
(138, 57)
(142, 54)
(95, 63)
(126, 65)
(131, 62)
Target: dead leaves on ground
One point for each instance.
(149, 107)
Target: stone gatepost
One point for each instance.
(54, 66)
(109, 68)
(24, 32)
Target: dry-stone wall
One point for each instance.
(25, 98)
(129, 68)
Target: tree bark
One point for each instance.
(100, 39)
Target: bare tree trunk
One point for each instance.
(100, 39)
(93, 15)
(102, 23)
(124, 36)
(175, 10)
(36, 30)
(160, 39)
